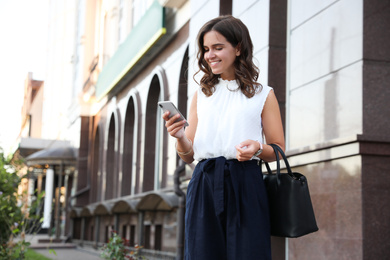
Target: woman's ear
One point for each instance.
(238, 50)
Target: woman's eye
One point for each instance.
(219, 49)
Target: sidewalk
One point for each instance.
(63, 251)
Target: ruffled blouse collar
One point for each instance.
(229, 84)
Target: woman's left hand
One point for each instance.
(246, 150)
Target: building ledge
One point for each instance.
(143, 43)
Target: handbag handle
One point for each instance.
(300, 177)
(278, 150)
(277, 165)
(277, 162)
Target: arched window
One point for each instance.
(154, 176)
(111, 166)
(95, 184)
(183, 90)
(128, 149)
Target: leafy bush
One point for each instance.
(10, 212)
(116, 249)
(16, 218)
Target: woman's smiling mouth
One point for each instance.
(213, 63)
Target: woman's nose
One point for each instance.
(209, 54)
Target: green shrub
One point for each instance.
(16, 218)
(116, 249)
(10, 214)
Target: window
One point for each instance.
(158, 237)
(91, 233)
(132, 235)
(147, 236)
(128, 146)
(153, 172)
(121, 24)
(124, 19)
(139, 9)
(95, 194)
(111, 170)
(183, 89)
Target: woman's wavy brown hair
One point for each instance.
(237, 34)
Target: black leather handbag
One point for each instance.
(291, 210)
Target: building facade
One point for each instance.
(328, 62)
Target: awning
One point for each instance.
(87, 211)
(104, 208)
(146, 40)
(125, 205)
(58, 155)
(154, 201)
(159, 201)
(75, 212)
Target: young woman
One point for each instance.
(227, 209)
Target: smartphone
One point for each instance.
(169, 106)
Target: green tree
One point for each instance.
(10, 212)
(16, 218)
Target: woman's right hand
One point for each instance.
(175, 129)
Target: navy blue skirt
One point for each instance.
(227, 212)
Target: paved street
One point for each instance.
(63, 251)
(70, 254)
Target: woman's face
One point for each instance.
(220, 54)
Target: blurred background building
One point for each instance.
(111, 61)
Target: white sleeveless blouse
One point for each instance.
(226, 119)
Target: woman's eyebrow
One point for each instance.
(214, 45)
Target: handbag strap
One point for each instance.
(276, 150)
(277, 165)
(277, 162)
